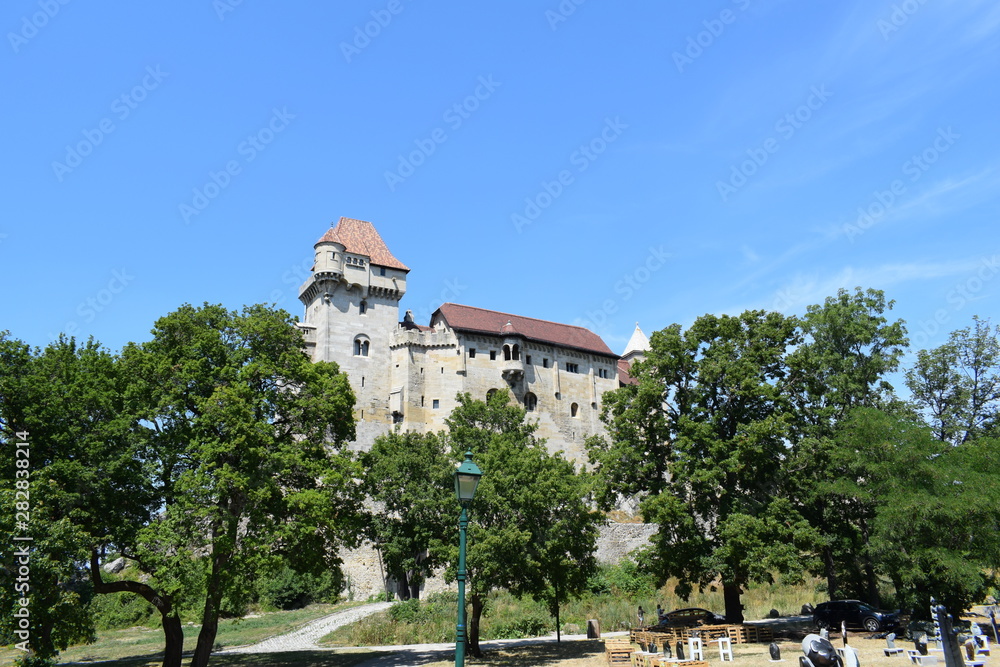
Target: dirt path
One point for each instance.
(304, 639)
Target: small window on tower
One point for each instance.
(493, 355)
(436, 404)
(472, 353)
(361, 346)
(363, 307)
(381, 270)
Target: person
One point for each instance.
(659, 612)
(642, 616)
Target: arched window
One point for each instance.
(363, 307)
(574, 410)
(506, 352)
(361, 346)
(530, 402)
(516, 352)
(490, 393)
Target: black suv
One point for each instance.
(857, 614)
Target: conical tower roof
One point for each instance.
(637, 344)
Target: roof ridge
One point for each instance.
(523, 317)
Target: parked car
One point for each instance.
(691, 616)
(856, 614)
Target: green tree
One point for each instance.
(933, 509)
(246, 437)
(530, 531)
(81, 483)
(703, 436)
(409, 477)
(849, 347)
(957, 386)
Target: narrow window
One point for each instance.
(421, 401)
(506, 352)
(516, 352)
(472, 353)
(545, 362)
(361, 346)
(493, 355)
(381, 270)
(574, 410)
(436, 404)
(527, 359)
(363, 307)
(362, 380)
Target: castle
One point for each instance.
(407, 374)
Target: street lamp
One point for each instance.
(466, 478)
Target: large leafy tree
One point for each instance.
(531, 531)
(849, 348)
(245, 435)
(82, 486)
(931, 507)
(957, 386)
(409, 477)
(704, 437)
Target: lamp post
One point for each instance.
(466, 478)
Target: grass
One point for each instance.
(146, 643)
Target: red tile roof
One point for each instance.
(361, 238)
(478, 320)
(624, 377)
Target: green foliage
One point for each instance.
(527, 626)
(409, 478)
(957, 386)
(624, 579)
(34, 661)
(934, 508)
(288, 589)
(530, 531)
(246, 436)
(703, 435)
(120, 610)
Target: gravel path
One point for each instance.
(304, 639)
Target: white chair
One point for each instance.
(725, 648)
(695, 650)
(985, 648)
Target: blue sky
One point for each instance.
(585, 162)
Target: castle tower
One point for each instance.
(351, 304)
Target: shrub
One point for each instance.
(112, 611)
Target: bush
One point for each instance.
(528, 626)
(288, 589)
(112, 611)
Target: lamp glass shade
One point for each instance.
(466, 478)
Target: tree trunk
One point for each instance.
(871, 581)
(734, 608)
(832, 583)
(472, 634)
(210, 615)
(173, 633)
